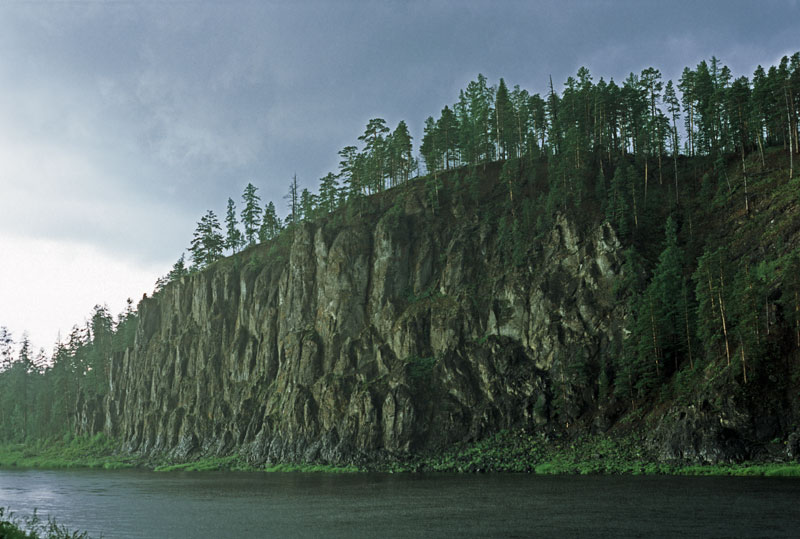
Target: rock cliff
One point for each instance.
(401, 332)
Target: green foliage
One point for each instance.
(473, 184)
(310, 468)
(618, 208)
(233, 236)
(207, 243)
(433, 186)
(254, 262)
(96, 451)
(393, 215)
(712, 297)
(179, 270)
(308, 205)
(229, 463)
(328, 194)
(522, 451)
(270, 225)
(251, 213)
(790, 292)
(33, 527)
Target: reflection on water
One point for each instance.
(134, 503)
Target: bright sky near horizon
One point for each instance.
(123, 121)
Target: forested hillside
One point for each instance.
(616, 255)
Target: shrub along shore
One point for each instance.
(507, 451)
(33, 527)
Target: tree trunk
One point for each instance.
(744, 361)
(724, 328)
(635, 213)
(797, 315)
(675, 156)
(655, 339)
(744, 175)
(789, 121)
(761, 150)
(794, 123)
(688, 334)
(722, 315)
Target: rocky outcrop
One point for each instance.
(702, 434)
(358, 342)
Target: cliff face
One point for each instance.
(357, 342)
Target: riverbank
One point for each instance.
(508, 451)
(97, 451)
(33, 527)
(522, 452)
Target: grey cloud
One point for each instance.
(176, 106)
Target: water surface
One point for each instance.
(136, 503)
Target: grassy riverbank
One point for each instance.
(507, 451)
(97, 451)
(33, 527)
(100, 451)
(236, 464)
(522, 452)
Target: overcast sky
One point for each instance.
(123, 121)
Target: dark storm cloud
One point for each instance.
(156, 111)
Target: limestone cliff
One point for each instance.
(401, 332)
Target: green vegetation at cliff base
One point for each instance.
(97, 451)
(210, 464)
(523, 452)
(234, 463)
(515, 451)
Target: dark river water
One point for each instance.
(135, 503)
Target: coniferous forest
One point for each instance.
(695, 176)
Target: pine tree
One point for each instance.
(270, 225)
(446, 133)
(523, 138)
(618, 209)
(178, 271)
(630, 284)
(348, 171)
(207, 243)
(102, 331)
(401, 151)
(686, 85)
(328, 193)
(666, 287)
(745, 313)
(375, 151)
(308, 205)
(712, 300)
(674, 109)
(21, 376)
(233, 236)
(293, 197)
(251, 214)
(790, 293)
(503, 120)
(430, 150)
(6, 349)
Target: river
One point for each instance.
(137, 503)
